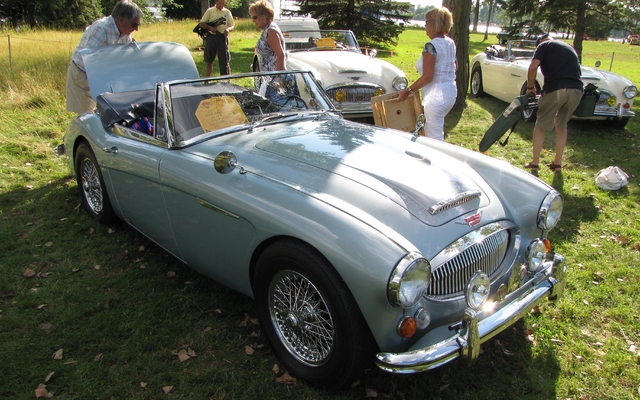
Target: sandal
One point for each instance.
(555, 167)
(533, 167)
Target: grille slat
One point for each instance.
(354, 94)
(450, 279)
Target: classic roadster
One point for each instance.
(350, 77)
(358, 244)
(501, 71)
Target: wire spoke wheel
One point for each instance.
(91, 185)
(301, 318)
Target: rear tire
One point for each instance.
(95, 199)
(310, 318)
(477, 89)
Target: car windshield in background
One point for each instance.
(306, 40)
(228, 103)
(522, 49)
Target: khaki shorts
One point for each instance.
(79, 98)
(557, 107)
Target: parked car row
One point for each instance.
(358, 244)
(501, 72)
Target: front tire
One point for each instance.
(95, 199)
(616, 123)
(477, 89)
(309, 316)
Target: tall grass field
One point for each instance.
(96, 312)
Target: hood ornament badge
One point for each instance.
(455, 201)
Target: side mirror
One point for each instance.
(598, 63)
(225, 162)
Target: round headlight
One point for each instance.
(400, 83)
(373, 52)
(478, 289)
(340, 96)
(550, 211)
(409, 280)
(535, 255)
(630, 92)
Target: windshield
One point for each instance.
(234, 102)
(307, 40)
(522, 49)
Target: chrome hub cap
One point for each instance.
(91, 185)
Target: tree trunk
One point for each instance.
(476, 15)
(461, 10)
(204, 5)
(486, 31)
(581, 11)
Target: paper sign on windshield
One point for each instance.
(219, 113)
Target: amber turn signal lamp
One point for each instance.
(407, 327)
(547, 244)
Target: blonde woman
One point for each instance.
(271, 45)
(437, 68)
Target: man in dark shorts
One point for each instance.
(561, 95)
(218, 22)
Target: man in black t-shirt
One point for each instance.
(561, 95)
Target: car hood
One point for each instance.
(364, 168)
(136, 66)
(343, 66)
(604, 78)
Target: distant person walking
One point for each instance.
(561, 95)
(270, 46)
(218, 22)
(437, 68)
(125, 18)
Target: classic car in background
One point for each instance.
(518, 32)
(634, 39)
(358, 244)
(350, 77)
(501, 71)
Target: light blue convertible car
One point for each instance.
(358, 244)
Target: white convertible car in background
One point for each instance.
(502, 73)
(336, 60)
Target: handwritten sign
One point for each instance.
(219, 113)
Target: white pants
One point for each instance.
(434, 114)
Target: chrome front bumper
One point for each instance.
(479, 326)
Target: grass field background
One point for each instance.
(95, 312)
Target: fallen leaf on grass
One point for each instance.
(248, 319)
(143, 385)
(57, 355)
(370, 393)
(29, 273)
(48, 244)
(167, 389)
(98, 357)
(141, 248)
(96, 267)
(171, 274)
(41, 306)
(275, 369)
(48, 377)
(41, 391)
(248, 350)
(47, 327)
(286, 379)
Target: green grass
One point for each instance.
(121, 309)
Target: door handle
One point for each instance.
(110, 150)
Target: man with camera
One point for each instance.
(218, 22)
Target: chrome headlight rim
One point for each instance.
(630, 91)
(400, 83)
(550, 211)
(535, 255)
(409, 280)
(478, 290)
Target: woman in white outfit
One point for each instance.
(437, 68)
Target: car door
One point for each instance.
(133, 164)
(493, 71)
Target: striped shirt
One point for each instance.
(101, 33)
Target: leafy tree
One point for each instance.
(372, 21)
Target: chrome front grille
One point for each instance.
(355, 94)
(450, 279)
